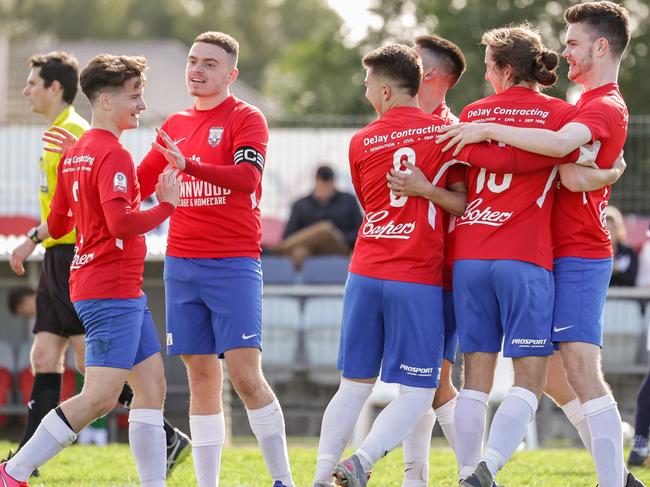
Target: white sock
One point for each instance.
(445, 415)
(51, 436)
(338, 424)
(606, 431)
(147, 441)
(575, 414)
(267, 424)
(469, 429)
(395, 423)
(416, 448)
(208, 436)
(509, 427)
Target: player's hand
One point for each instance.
(20, 254)
(168, 188)
(411, 182)
(170, 150)
(60, 139)
(461, 134)
(619, 165)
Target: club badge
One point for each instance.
(215, 136)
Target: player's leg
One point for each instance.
(359, 360)
(525, 292)
(190, 335)
(412, 356)
(480, 336)
(639, 452)
(581, 292)
(563, 395)
(60, 426)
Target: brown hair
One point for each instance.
(605, 19)
(448, 52)
(106, 71)
(521, 48)
(398, 62)
(58, 66)
(224, 41)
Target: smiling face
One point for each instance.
(579, 51)
(210, 70)
(127, 103)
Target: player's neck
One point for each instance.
(210, 102)
(104, 122)
(600, 76)
(399, 101)
(55, 110)
(431, 98)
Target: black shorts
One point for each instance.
(54, 310)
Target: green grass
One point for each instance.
(242, 466)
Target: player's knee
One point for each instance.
(100, 405)
(46, 361)
(248, 384)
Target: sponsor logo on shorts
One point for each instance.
(418, 371)
(119, 182)
(529, 342)
(557, 329)
(170, 339)
(244, 336)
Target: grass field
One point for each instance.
(242, 466)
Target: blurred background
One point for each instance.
(300, 64)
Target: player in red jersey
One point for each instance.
(97, 190)
(597, 35)
(213, 277)
(443, 64)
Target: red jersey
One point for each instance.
(508, 216)
(96, 170)
(456, 175)
(401, 238)
(213, 221)
(579, 228)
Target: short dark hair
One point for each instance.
(521, 48)
(325, 173)
(398, 62)
(58, 66)
(448, 52)
(16, 296)
(224, 41)
(605, 19)
(106, 71)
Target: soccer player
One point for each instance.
(443, 64)
(51, 88)
(596, 38)
(392, 310)
(98, 191)
(213, 278)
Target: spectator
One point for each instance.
(643, 276)
(22, 301)
(626, 262)
(324, 222)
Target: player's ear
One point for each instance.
(602, 46)
(232, 75)
(430, 74)
(104, 100)
(386, 91)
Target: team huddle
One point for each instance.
(484, 232)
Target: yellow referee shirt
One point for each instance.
(70, 120)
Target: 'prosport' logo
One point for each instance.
(419, 371)
(529, 342)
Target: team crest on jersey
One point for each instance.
(119, 182)
(215, 136)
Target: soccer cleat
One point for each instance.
(632, 481)
(177, 451)
(278, 483)
(7, 480)
(636, 458)
(350, 473)
(11, 453)
(480, 478)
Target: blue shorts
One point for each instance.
(451, 336)
(393, 326)
(505, 301)
(213, 305)
(580, 293)
(119, 332)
